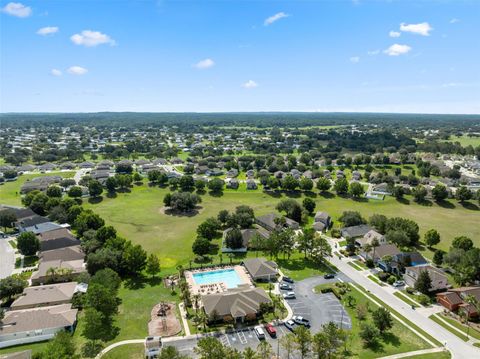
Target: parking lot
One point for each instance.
(318, 308)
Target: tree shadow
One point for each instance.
(376, 346)
(138, 183)
(124, 190)
(273, 194)
(111, 194)
(390, 338)
(201, 192)
(425, 203)
(310, 194)
(327, 195)
(403, 200)
(216, 193)
(192, 213)
(470, 206)
(95, 200)
(134, 283)
(445, 204)
(90, 349)
(154, 281)
(360, 199)
(293, 194)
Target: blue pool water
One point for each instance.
(229, 276)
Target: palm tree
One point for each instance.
(375, 243)
(288, 343)
(202, 319)
(220, 256)
(230, 255)
(196, 299)
(464, 319)
(180, 270)
(51, 274)
(264, 349)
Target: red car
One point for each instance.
(271, 330)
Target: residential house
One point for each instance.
(381, 189)
(42, 227)
(232, 183)
(251, 184)
(377, 253)
(439, 279)
(71, 253)
(27, 222)
(267, 221)
(455, 299)
(247, 235)
(86, 165)
(233, 172)
(56, 239)
(322, 221)
(45, 295)
(235, 304)
(39, 183)
(261, 269)
(398, 262)
(57, 271)
(36, 324)
(369, 237)
(355, 231)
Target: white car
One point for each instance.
(259, 331)
(399, 283)
(289, 295)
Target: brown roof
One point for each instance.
(435, 274)
(65, 254)
(58, 238)
(236, 302)
(56, 316)
(45, 295)
(77, 266)
(452, 298)
(260, 267)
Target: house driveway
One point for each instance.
(7, 258)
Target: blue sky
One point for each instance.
(119, 55)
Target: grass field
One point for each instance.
(10, 191)
(138, 216)
(399, 340)
(130, 351)
(466, 140)
(438, 355)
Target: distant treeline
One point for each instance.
(261, 120)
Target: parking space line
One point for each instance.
(225, 341)
(242, 338)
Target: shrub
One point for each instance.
(410, 290)
(423, 299)
(383, 276)
(336, 233)
(391, 279)
(369, 263)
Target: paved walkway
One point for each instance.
(7, 258)
(411, 354)
(183, 315)
(457, 347)
(118, 344)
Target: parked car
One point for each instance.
(301, 320)
(287, 279)
(399, 283)
(285, 286)
(271, 330)
(259, 331)
(290, 324)
(289, 295)
(329, 276)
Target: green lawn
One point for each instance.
(471, 332)
(465, 140)
(405, 299)
(438, 355)
(130, 351)
(399, 340)
(376, 280)
(10, 191)
(138, 216)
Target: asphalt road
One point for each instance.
(7, 258)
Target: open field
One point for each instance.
(138, 217)
(130, 351)
(465, 140)
(10, 191)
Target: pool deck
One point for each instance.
(216, 287)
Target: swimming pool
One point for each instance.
(229, 276)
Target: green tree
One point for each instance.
(369, 334)
(432, 238)
(54, 191)
(169, 352)
(379, 222)
(288, 344)
(439, 192)
(234, 239)
(292, 209)
(209, 348)
(438, 257)
(356, 190)
(75, 192)
(306, 184)
(398, 192)
(11, 286)
(351, 218)
(39, 203)
(323, 184)
(186, 183)
(309, 204)
(134, 259)
(209, 228)
(95, 188)
(28, 243)
(306, 241)
(153, 265)
(462, 242)
(341, 186)
(423, 283)
(216, 185)
(382, 319)
(289, 183)
(102, 299)
(264, 349)
(419, 193)
(107, 278)
(95, 325)
(62, 346)
(303, 340)
(201, 246)
(463, 194)
(7, 219)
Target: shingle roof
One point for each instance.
(45, 294)
(65, 254)
(260, 267)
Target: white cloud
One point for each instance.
(373, 52)
(77, 70)
(91, 38)
(270, 20)
(17, 9)
(204, 64)
(397, 49)
(48, 30)
(454, 20)
(423, 28)
(56, 72)
(354, 59)
(394, 34)
(250, 84)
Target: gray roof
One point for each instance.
(355, 231)
(44, 295)
(260, 267)
(58, 316)
(43, 227)
(75, 266)
(268, 221)
(322, 217)
(237, 302)
(318, 226)
(71, 253)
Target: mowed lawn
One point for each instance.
(10, 191)
(138, 216)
